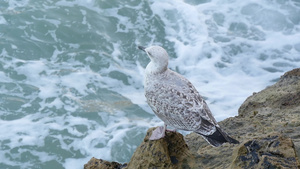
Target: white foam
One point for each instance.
(13, 4)
(2, 20)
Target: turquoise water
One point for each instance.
(71, 76)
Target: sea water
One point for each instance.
(71, 76)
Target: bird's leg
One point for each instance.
(170, 130)
(159, 132)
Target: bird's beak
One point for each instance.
(142, 48)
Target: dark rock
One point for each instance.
(269, 152)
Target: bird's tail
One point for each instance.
(218, 138)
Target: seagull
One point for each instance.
(175, 100)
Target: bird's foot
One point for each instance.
(171, 130)
(158, 133)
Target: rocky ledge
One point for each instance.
(267, 125)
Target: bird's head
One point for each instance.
(158, 56)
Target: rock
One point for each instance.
(207, 156)
(169, 152)
(276, 108)
(284, 96)
(95, 163)
(268, 152)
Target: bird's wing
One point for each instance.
(181, 107)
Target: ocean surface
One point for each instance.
(71, 76)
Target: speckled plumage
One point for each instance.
(175, 100)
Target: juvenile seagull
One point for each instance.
(177, 102)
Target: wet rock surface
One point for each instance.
(269, 152)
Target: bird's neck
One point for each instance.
(154, 68)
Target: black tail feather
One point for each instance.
(219, 137)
